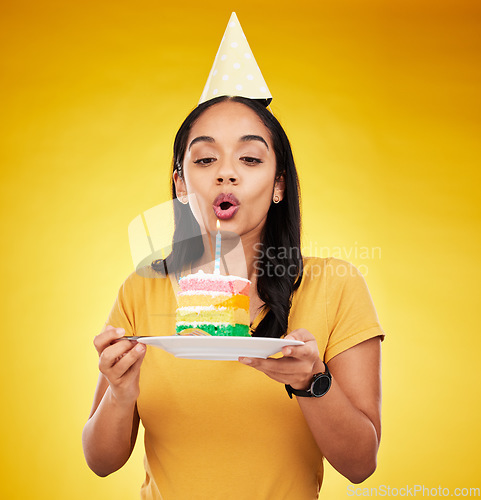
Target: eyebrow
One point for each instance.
(201, 138)
(247, 138)
(244, 138)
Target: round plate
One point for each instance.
(218, 348)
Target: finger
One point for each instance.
(279, 373)
(285, 371)
(107, 336)
(300, 334)
(271, 365)
(299, 351)
(129, 363)
(113, 353)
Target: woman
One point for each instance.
(229, 430)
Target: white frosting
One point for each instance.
(213, 277)
(201, 308)
(206, 292)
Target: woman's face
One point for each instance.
(230, 167)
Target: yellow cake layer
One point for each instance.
(239, 316)
(229, 301)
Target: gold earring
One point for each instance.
(276, 199)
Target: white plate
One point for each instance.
(218, 348)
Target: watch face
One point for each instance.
(321, 385)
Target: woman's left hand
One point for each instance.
(298, 364)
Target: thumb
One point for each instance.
(300, 334)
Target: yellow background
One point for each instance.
(381, 102)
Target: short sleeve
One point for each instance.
(121, 315)
(351, 315)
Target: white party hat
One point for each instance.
(235, 71)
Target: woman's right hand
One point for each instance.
(111, 431)
(119, 362)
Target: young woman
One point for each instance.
(221, 429)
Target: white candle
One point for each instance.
(217, 250)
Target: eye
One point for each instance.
(251, 160)
(204, 161)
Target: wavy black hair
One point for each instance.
(279, 267)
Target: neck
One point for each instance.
(238, 255)
(251, 249)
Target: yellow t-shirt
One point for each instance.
(223, 430)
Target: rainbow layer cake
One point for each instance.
(215, 304)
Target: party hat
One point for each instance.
(235, 71)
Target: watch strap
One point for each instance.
(307, 393)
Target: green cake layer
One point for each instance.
(224, 330)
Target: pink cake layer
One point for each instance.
(215, 283)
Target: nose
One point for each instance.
(226, 173)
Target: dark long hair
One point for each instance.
(279, 266)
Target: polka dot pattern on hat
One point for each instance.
(235, 70)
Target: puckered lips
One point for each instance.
(225, 206)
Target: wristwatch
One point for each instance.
(320, 384)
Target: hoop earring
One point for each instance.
(183, 199)
(276, 199)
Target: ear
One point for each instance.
(280, 186)
(180, 188)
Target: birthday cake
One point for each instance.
(216, 304)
